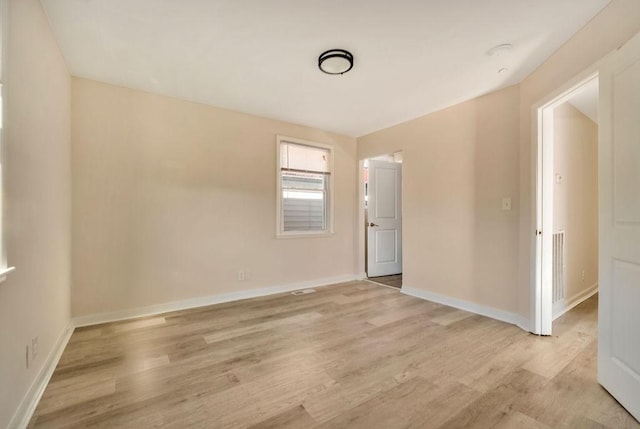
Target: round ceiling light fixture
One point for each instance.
(335, 61)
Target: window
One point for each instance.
(304, 188)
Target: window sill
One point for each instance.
(4, 272)
(304, 235)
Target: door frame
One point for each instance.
(361, 228)
(542, 202)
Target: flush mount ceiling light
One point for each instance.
(335, 61)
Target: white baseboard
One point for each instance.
(95, 319)
(30, 400)
(562, 306)
(522, 322)
(493, 313)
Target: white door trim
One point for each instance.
(360, 227)
(387, 226)
(541, 209)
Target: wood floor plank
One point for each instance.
(386, 409)
(76, 391)
(452, 317)
(493, 408)
(394, 280)
(560, 352)
(515, 419)
(352, 355)
(293, 418)
(230, 333)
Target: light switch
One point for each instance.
(506, 203)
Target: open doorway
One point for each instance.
(382, 186)
(567, 202)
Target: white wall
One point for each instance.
(172, 198)
(34, 300)
(575, 205)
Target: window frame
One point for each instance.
(280, 232)
(5, 268)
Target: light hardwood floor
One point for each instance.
(394, 280)
(354, 355)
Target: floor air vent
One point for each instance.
(303, 292)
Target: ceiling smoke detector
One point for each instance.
(500, 50)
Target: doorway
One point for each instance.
(567, 202)
(382, 205)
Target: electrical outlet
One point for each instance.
(34, 348)
(582, 276)
(241, 276)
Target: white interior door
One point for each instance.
(619, 176)
(384, 228)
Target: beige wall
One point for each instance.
(575, 206)
(34, 300)
(458, 164)
(172, 198)
(451, 223)
(616, 24)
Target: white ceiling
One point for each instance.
(412, 57)
(585, 99)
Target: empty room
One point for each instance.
(285, 214)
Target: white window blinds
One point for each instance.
(308, 159)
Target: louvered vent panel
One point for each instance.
(558, 267)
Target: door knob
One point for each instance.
(373, 224)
